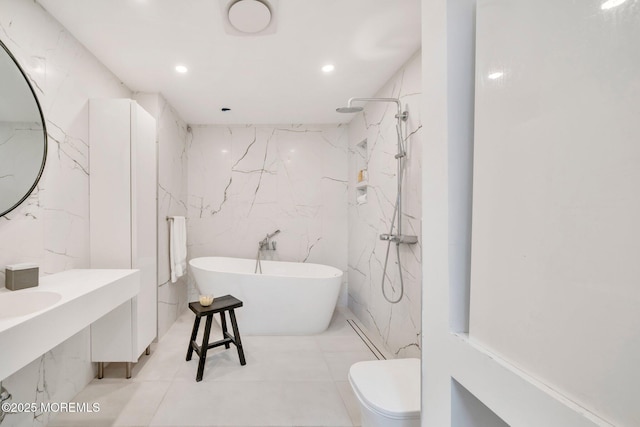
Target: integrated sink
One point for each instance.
(35, 320)
(20, 303)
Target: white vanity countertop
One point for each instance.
(86, 295)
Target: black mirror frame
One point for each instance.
(44, 130)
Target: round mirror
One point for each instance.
(23, 135)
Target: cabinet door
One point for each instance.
(110, 183)
(144, 220)
(112, 335)
(123, 221)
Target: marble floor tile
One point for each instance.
(340, 362)
(315, 404)
(122, 403)
(339, 326)
(350, 401)
(140, 410)
(279, 344)
(287, 381)
(331, 344)
(294, 365)
(221, 403)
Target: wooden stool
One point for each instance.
(220, 305)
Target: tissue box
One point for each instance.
(21, 276)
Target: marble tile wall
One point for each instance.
(247, 181)
(397, 325)
(51, 228)
(18, 140)
(172, 137)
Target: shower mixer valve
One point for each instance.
(400, 238)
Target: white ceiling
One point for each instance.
(265, 79)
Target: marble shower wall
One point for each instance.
(247, 181)
(397, 325)
(51, 228)
(172, 142)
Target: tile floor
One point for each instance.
(287, 381)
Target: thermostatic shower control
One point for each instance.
(401, 238)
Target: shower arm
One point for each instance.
(400, 115)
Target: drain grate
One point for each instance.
(365, 339)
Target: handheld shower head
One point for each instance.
(273, 234)
(349, 109)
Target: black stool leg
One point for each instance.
(236, 335)
(194, 334)
(223, 323)
(204, 348)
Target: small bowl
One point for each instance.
(206, 300)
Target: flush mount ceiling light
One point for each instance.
(328, 68)
(249, 16)
(181, 69)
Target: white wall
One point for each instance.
(514, 395)
(396, 326)
(556, 237)
(247, 181)
(172, 143)
(51, 228)
(469, 411)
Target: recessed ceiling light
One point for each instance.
(181, 69)
(496, 75)
(328, 68)
(610, 4)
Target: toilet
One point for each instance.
(388, 392)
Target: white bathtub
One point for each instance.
(289, 298)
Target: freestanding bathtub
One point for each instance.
(289, 298)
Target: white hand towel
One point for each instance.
(178, 247)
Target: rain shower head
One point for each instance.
(349, 109)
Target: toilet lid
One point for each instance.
(391, 387)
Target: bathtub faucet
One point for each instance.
(264, 243)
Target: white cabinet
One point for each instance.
(122, 189)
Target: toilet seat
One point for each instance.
(388, 387)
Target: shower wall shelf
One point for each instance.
(362, 163)
(361, 198)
